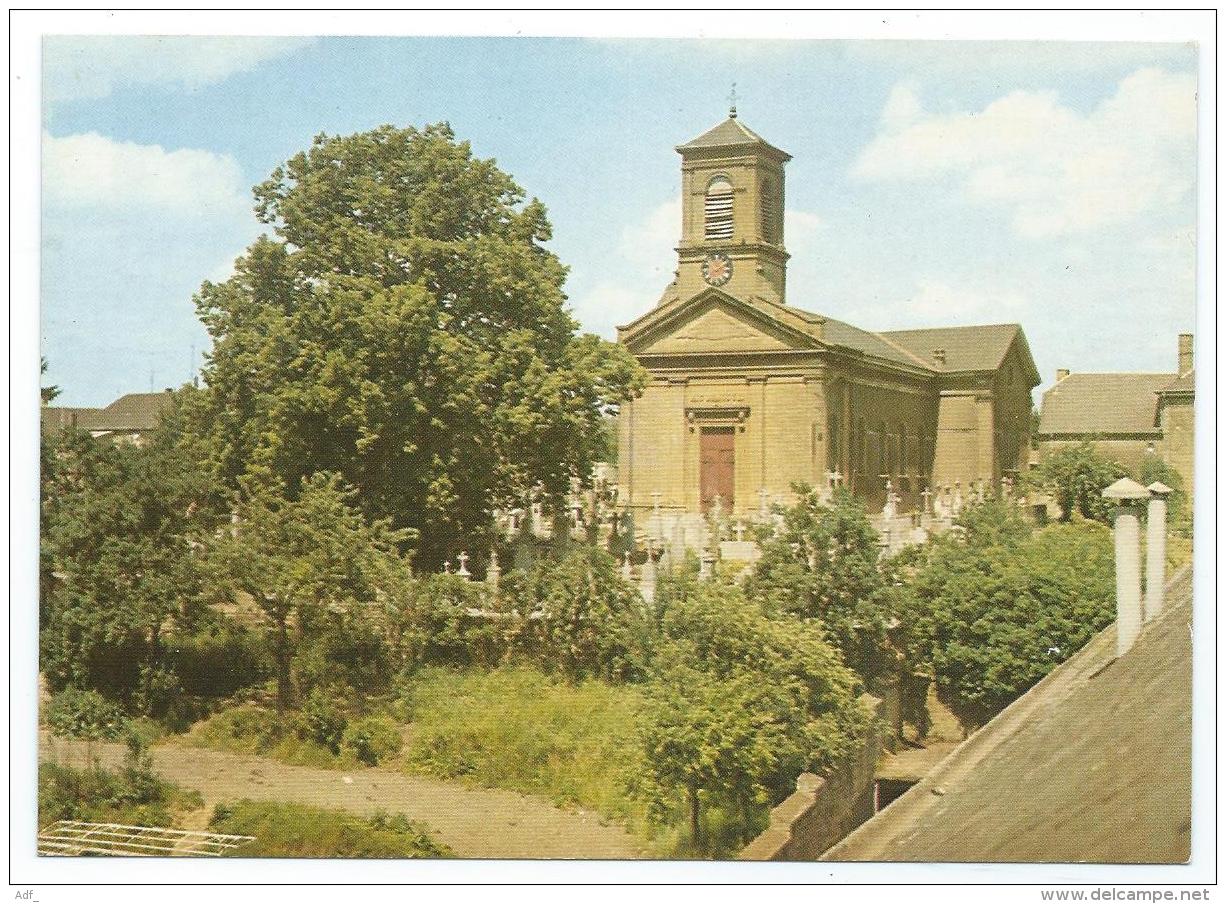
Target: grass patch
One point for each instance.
(297, 830)
(519, 729)
(261, 732)
(131, 795)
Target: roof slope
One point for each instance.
(1183, 383)
(731, 133)
(134, 411)
(965, 347)
(1092, 765)
(1102, 403)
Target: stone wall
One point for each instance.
(824, 810)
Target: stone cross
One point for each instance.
(927, 494)
(463, 571)
(740, 532)
(717, 509)
(889, 509)
(655, 503)
(763, 506)
(647, 577)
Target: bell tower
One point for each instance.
(731, 215)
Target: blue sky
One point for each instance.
(1048, 184)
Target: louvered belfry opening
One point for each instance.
(718, 210)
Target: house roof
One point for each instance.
(1092, 765)
(731, 133)
(135, 411)
(1183, 383)
(1098, 404)
(966, 347)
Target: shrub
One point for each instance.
(242, 729)
(132, 795)
(322, 721)
(219, 660)
(373, 739)
(1076, 476)
(297, 830)
(86, 715)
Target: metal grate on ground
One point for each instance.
(69, 838)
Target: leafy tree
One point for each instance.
(992, 522)
(1154, 469)
(123, 527)
(996, 618)
(1076, 476)
(407, 329)
(47, 393)
(305, 560)
(822, 564)
(738, 704)
(592, 624)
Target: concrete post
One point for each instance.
(1127, 494)
(1155, 550)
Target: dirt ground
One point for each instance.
(477, 823)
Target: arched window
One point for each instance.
(768, 204)
(718, 210)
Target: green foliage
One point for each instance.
(992, 522)
(592, 625)
(406, 328)
(517, 728)
(1076, 476)
(822, 564)
(132, 795)
(431, 624)
(373, 739)
(298, 830)
(739, 703)
(218, 659)
(123, 527)
(322, 721)
(85, 715)
(997, 618)
(312, 561)
(1154, 469)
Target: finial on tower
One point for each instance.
(732, 102)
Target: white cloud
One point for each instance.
(93, 170)
(1055, 170)
(936, 301)
(82, 67)
(975, 58)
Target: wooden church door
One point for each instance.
(718, 466)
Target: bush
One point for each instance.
(998, 618)
(220, 660)
(297, 830)
(132, 795)
(243, 729)
(86, 715)
(373, 739)
(322, 721)
(1076, 476)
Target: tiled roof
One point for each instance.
(1099, 404)
(966, 347)
(1183, 383)
(129, 413)
(731, 133)
(1092, 765)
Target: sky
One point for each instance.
(1048, 184)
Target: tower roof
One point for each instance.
(731, 133)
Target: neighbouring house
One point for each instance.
(1126, 416)
(750, 394)
(128, 419)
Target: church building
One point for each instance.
(750, 392)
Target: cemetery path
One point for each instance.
(473, 822)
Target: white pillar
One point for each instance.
(1155, 550)
(1126, 494)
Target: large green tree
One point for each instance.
(1076, 476)
(405, 327)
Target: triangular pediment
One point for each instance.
(712, 322)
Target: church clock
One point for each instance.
(717, 268)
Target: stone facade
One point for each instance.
(750, 394)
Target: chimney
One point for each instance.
(1185, 353)
(1061, 373)
(938, 355)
